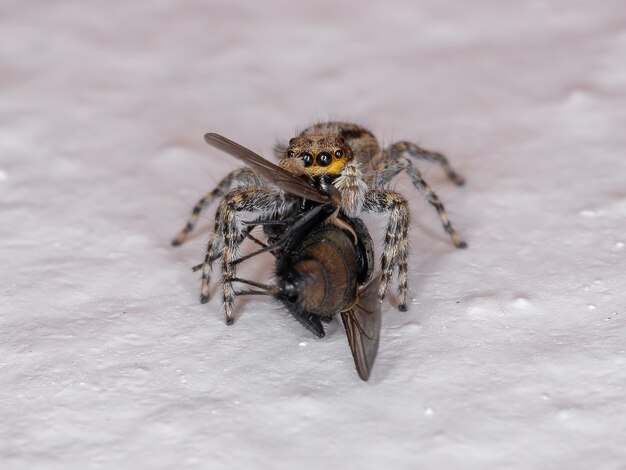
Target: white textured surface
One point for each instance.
(513, 352)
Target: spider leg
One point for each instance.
(214, 250)
(353, 187)
(242, 175)
(228, 233)
(397, 149)
(395, 246)
(391, 168)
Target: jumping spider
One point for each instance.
(345, 155)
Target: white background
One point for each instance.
(512, 354)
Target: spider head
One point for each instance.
(321, 155)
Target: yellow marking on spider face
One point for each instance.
(334, 169)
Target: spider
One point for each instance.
(345, 155)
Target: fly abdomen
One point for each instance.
(321, 277)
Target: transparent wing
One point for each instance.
(362, 324)
(277, 175)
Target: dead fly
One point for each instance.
(320, 271)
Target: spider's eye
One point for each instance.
(324, 159)
(339, 153)
(307, 158)
(290, 153)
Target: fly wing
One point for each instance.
(273, 173)
(362, 324)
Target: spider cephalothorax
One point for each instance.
(344, 155)
(321, 154)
